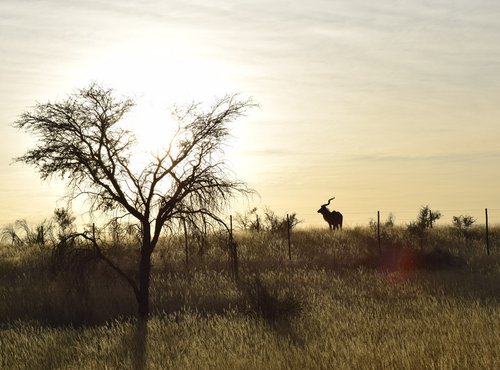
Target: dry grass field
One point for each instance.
(336, 304)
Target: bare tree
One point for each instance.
(80, 140)
(245, 221)
(276, 223)
(21, 233)
(9, 234)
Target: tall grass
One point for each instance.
(331, 306)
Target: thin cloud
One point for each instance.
(459, 157)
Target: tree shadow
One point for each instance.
(140, 344)
(277, 312)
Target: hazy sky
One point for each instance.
(386, 105)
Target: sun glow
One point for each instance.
(157, 78)
(160, 75)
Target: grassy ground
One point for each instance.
(336, 304)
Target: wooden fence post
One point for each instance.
(42, 236)
(288, 237)
(233, 249)
(378, 233)
(487, 233)
(186, 246)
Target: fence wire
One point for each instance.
(402, 216)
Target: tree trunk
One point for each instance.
(144, 279)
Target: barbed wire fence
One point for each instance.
(404, 217)
(483, 218)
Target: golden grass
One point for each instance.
(346, 315)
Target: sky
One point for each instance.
(386, 105)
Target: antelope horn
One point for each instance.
(329, 200)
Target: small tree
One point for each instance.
(80, 140)
(389, 222)
(425, 220)
(275, 223)
(463, 224)
(64, 221)
(426, 217)
(248, 220)
(8, 234)
(22, 234)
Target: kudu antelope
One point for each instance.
(333, 218)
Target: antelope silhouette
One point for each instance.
(333, 218)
